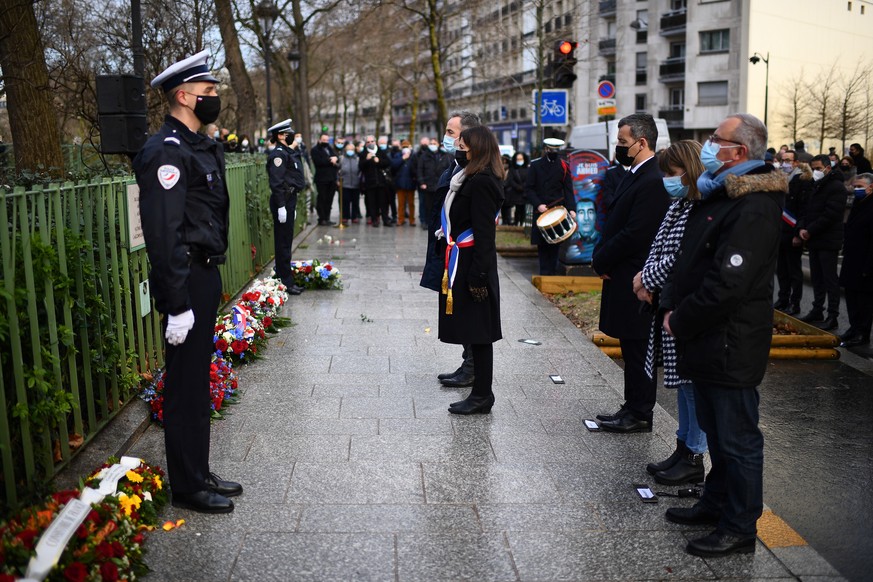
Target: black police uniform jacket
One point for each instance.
(722, 285)
(184, 204)
(824, 213)
(285, 170)
(548, 182)
(639, 204)
(475, 206)
(856, 271)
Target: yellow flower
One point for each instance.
(129, 503)
(133, 477)
(158, 483)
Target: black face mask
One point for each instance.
(207, 108)
(551, 155)
(845, 168)
(622, 157)
(461, 158)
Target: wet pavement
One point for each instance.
(354, 470)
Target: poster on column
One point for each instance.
(587, 168)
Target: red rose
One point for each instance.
(76, 572)
(328, 267)
(268, 321)
(109, 572)
(104, 551)
(63, 497)
(219, 328)
(27, 536)
(138, 538)
(118, 549)
(221, 345)
(239, 346)
(7, 578)
(93, 517)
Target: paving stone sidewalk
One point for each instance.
(354, 470)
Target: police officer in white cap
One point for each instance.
(285, 169)
(548, 184)
(184, 206)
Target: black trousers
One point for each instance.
(483, 365)
(640, 391)
(859, 307)
(548, 255)
(283, 238)
(823, 272)
(789, 273)
(467, 367)
(187, 402)
(377, 203)
(324, 201)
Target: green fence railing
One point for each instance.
(76, 331)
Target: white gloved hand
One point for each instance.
(283, 215)
(178, 327)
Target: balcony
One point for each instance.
(675, 117)
(672, 70)
(673, 23)
(606, 47)
(607, 8)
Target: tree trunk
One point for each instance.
(32, 117)
(247, 110)
(433, 37)
(413, 118)
(303, 126)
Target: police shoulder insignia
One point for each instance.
(277, 161)
(168, 176)
(172, 140)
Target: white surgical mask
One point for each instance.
(433, 148)
(817, 175)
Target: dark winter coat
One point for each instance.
(430, 166)
(721, 292)
(824, 213)
(474, 206)
(548, 182)
(325, 172)
(434, 264)
(515, 184)
(374, 172)
(857, 268)
(632, 221)
(403, 174)
(800, 187)
(611, 179)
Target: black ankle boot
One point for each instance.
(689, 469)
(473, 405)
(681, 450)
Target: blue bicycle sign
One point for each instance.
(553, 106)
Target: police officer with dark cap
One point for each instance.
(285, 169)
(184, 207)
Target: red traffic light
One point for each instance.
(566, 47)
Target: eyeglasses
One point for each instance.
(714, 138)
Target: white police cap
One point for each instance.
(554, 142)
(281, 127)
(191, 70)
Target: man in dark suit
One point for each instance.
(632, 220)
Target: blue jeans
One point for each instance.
(735, 485)
(689, 431)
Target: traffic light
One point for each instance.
(564, 61)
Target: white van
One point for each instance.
(593, 136)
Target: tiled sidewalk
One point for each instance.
(354, 470)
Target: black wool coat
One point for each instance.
(721, 292)
(857, 268)
(638, 206)
(475, 205)
(824, 213)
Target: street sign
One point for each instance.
(606, 107)
(553, 106)
(606, 90)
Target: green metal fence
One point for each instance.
(75, 335)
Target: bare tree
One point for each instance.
(822, 97)
(247, 111)
(849, 108)
(32, 117)
(795, 115)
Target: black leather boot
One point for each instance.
(688, 469)
(681, 449)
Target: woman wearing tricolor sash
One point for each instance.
(469, 304)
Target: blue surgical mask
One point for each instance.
(350, 153)
(433, 148)
(708, 156)
(674, 187)
(449, 144)
(860, 193)
(519, 163)
(383, 146)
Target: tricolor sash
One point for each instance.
(787, 217)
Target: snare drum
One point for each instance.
(556, 225)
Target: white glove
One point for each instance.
(178, 327)
(283, 215)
